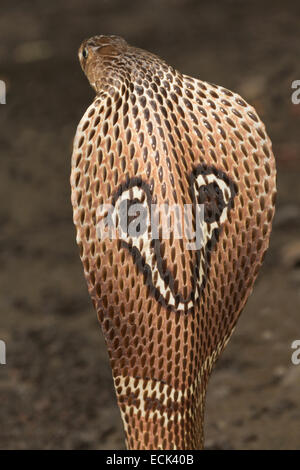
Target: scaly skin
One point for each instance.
(155, 136)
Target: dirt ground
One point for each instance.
(56, 390)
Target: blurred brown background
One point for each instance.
(56, 389)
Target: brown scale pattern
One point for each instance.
(153, 131)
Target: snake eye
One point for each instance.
(85, 53)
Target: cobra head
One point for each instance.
(173, 190)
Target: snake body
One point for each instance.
(155, 137)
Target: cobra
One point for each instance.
(155, 136)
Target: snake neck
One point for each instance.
(156, 416)
(156, 137)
